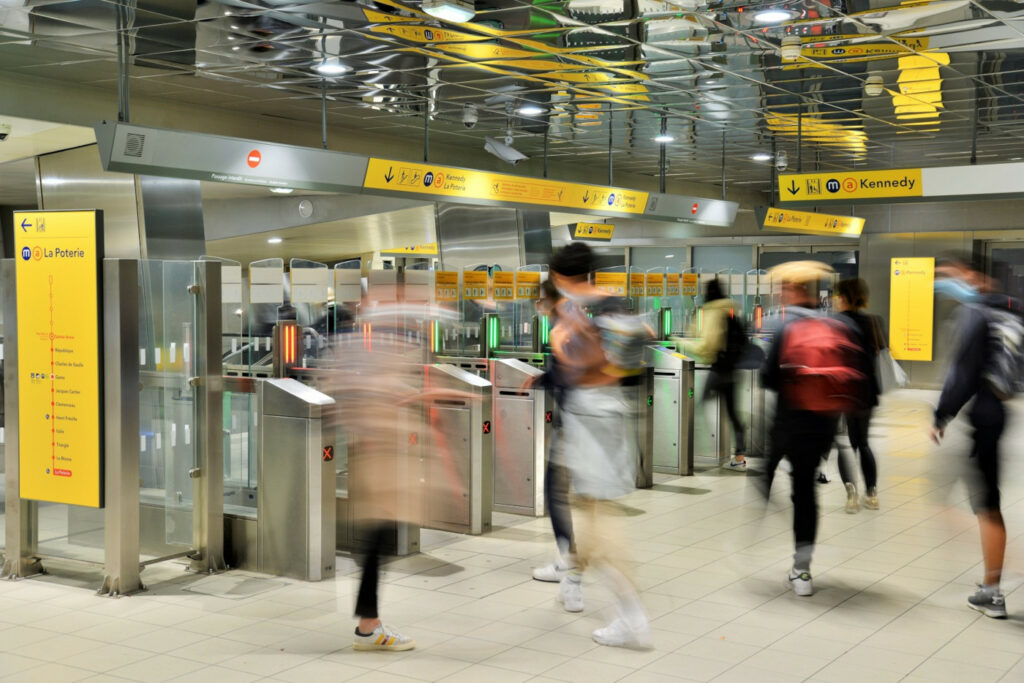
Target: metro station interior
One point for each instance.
(273, 189)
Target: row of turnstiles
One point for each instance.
(495, 446)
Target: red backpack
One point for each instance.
(818, 360)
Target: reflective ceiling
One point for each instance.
(864, 83)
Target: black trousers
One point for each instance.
(857, 427)
(373, 548)
(724, 385)
(556, 494)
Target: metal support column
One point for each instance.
(208, 473)
(121, 427)
(21, 517)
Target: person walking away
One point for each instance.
(721, 343)
(810, 365)
(556, 476)
(599, 443)
(852, 296)
(986, 367)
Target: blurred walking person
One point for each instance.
(599, 355)
(986, 367)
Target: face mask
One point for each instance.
(958, 290)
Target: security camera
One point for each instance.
(782, 160)
(504, 152)
(470, 115)
(5, 131)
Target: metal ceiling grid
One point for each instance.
(949, 73)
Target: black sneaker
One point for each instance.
(989, 602)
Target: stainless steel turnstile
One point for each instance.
(295, 522)
(711, 435)
(522, 425)
(460, 464)
(671, 410)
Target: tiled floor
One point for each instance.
(709, 557)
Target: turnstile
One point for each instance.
(521, 426)
(460, 461)
(671, 410)
(711, 433)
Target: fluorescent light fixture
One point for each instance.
(664, 137)
(457, 11)
(282, 190)
(791, 48)
(761, 156)
(670, 256)
(274, 240)
(773, 15)
(331, 67)
(531, 110)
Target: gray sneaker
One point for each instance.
(989, 602)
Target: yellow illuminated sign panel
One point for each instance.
(598, 232)
(613, 283)
(527, 284)
(637, 284)
(444, 181)
(655, 284)
(790, 220)
(446, 285)
(504, 285)
(421, 249)
(474, 284)
(911, 301)
(689, 286)
(57, 255)
(672, 284)
(838, 186)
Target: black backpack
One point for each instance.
(735, 342)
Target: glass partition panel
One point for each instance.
(348, 295)
(308, 284)
(527, 292)
(240, 453)
(266, 296)
(233, 323)
(473, 303)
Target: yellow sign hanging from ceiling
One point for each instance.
(911, 302)
(597, 232)
(808, 222)
(840, 186)
(57, 257)
(443, 181)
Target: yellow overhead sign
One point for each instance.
(421, 249)
(839, 186)
(598, 232)
(791, 220)
(57, 256)
(444, 181)
(911, 302)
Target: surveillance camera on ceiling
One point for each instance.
(5, 131)
(782, 160)
(504, 152)
(470, 115)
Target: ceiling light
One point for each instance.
(274, 240)
(873, 85)
(761, 156)
(236, 48)
(773, 15)
(331, 67)
(282, 190)
(670, 256)
(531, 110)
(664, 137)
(458, 11)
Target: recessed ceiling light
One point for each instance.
(531, 110)
(761, 156)
(274, 240)
(282, 190)
(664, 137)
(773, 15)
(331, 67)
(458, 11)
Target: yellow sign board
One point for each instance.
(842, 186)
(690, 284)
(57, 256)
(445, 181)
(504, 285)
(527, 284)
(655, 284)
(419, 249)
(474, 284)
(672, 284)
(637, 284)
(613, 283)
(791, 220)
(911, 302)
(446, 285)
(598, 232)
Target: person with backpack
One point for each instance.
(722, 341)
(852, 296)
(601, 354)
(811, 365)
(986, 366)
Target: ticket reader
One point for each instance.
(287, 347)
(671, 410)
(296, 482)
(522, 425)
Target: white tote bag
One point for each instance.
(889, 373)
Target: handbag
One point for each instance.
(888, 372)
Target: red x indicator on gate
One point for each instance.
(413, 439)
(487, 426)
(328, 454)
(547, 417)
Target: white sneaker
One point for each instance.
(735, 465)
(382, 638)
(552, 573)
(852, 500)
(570, 594)
(800, 582)
(620, 634)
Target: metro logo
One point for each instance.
(254, 158)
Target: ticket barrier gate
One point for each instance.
(460, 464)
(522, 428)
(711, 435)
(671, 410)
